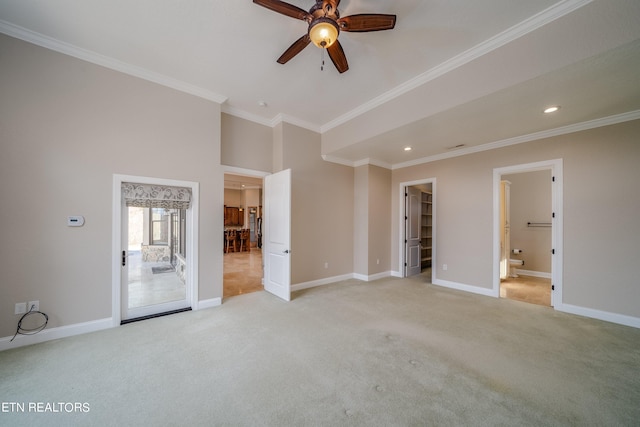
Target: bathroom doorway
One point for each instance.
(527, 214)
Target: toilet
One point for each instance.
(512, 266)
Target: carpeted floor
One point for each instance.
(394, 352)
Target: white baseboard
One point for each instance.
(620, 319)
(320, 282)
(541, 274)
(467, 288)
(396, 274)
(55, 333)
(208, 303)
(371, 277)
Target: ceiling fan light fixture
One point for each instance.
(323, 32)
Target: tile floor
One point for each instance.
(146, 288)
(534, 290)
(242, 273)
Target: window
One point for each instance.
(159, 223)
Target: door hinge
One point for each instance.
(553, 287)
(553, 251)
(553, 179)
(124, 258)
(405, 264)
(553, 214)
(405, 240)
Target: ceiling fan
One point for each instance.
(325, 25)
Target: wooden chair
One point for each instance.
(244, 240)
(230, 237)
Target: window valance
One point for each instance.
(156, 196)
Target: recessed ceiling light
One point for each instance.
(408, 148)
(552, 109)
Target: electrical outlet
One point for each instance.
(21, 308)
(326, 265)
(444, 267)
(378, 261)
(33, 305)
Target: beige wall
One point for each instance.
(372, 218)
(531, 202)
(246, 144)
(66, 127)
(379, 220)
(601, 204)
(322, 208)
(361, 220)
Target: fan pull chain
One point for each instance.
(322, 56)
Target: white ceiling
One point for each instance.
(451, 72)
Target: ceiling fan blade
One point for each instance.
(294, 49)
(285, 9)
(367, 22)
(336, 53)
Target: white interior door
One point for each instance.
(277, 234)
(412, 227)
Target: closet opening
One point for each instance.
(417, 245)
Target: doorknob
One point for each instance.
(286, 251)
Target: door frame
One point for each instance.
(555, 166)
(402, 224)
(191, 277)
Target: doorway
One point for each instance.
(242, 253)
(155, 226)
(528, 237)
(417, 228)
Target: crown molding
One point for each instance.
(107, 62)
(529, 25)
(563, 130)
(236, 112)
(577, 127)
(284, 118)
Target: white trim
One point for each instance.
(527, 26)
(321, 282)
(338, 160)
(236, 112)
(533, 23)
(371, 277)
(192, 239)
(401, 225)
(530, 273)
(242, 171)
(620, 319)
(284, 118)
(555, 166)
(466, 288)
(106, 61)
(56, 333)
(563, 130)
(208, 303)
